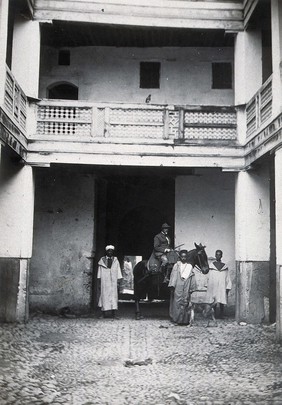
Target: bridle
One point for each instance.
(199, 254)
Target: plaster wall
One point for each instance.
(109, 74)
(61, 266)
(247, 65)
(252, 227)
(276, 40)
(16, 207)
(204, 212)
(278, 211)
(252, 197)
(26, 55)
(4, 6)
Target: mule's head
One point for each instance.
(201, 258)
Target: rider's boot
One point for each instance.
(166, 278)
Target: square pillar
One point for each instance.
(252, 246)
(276, 39)
(4, 10)
(16, 224)
(278, 226)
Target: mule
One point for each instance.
(152, 284)
(199, 298)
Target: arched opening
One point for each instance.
(64, 91)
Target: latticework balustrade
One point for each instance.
(15, 101)
(136, 122)
(63, 120)
(259, 108)
(210, 125)
(210, 133)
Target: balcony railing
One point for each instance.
(259, 108)
(15, 101)
(64, 119)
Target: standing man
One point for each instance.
(219, 283)
(109, 273)
(161, 248)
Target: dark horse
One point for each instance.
(152, 284)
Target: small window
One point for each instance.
(150, 75)
(221, 76)
(64, 58)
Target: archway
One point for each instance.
(63, 91)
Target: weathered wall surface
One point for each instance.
(253, 291)
(252, 228)
(108, 74)
(204, 213)
(9, 283)
(61, 267)
(16, 230)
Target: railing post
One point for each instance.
(258, 103)
(94, 127)
(166, 123)
(107, 122)
(181, 123)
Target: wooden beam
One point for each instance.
(249, 7)
(188, 14)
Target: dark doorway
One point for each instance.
(131, 209)
(136, 208)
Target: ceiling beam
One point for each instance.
(227, 15)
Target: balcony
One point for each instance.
(259, 108)
(77, 132)
(67, 131)
(134, 123)
(263, 125)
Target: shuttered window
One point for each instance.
(150, 75)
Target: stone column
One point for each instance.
(4, 7)
(16, 224)
(247, 74)
(252, 245)
(26, 55)
(278, 225)
(276, 34)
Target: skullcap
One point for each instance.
(110, 247)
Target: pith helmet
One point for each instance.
(165, 225)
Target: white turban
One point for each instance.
(110, 247)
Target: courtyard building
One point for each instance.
(118, 116)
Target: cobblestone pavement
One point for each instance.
(55, 360)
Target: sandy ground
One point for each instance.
(59, 360)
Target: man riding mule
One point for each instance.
(162, 246)
(151, 283)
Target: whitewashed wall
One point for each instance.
(108, 74)
(204, 212)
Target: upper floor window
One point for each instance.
(150, 75)
(64, 91)
(64, 57)
(221, 75)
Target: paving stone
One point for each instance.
(82, 362)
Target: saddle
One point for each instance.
(154, 266)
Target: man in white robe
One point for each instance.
(109, 273)
(219, 283)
